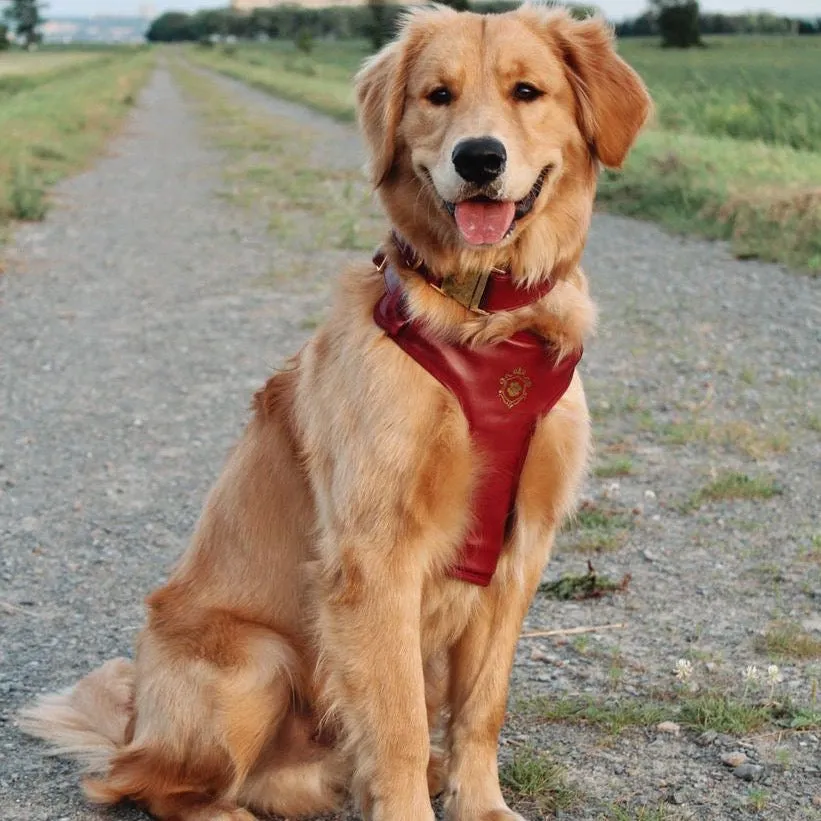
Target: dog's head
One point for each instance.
(486, 131)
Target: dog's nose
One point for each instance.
(479, 160)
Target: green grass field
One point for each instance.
(58, 115)
(734, 151)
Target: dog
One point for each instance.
(323, 636)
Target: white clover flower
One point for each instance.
(774, 674)
(684, 669)
(750, 673)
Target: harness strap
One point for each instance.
(503, 390)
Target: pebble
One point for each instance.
(678, 797)
(707, 738)
(668, 727)
(735, 759)
(748, 772)
(816, 800)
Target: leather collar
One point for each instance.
(485, 293)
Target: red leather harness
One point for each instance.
(503, 390)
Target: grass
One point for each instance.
(786, 640)
(274, 166)
(596, 529)
(746, 88)
(533, 781)
(612, 717)
(20, 70)
(322, 81)
(734, 152)
(53, 127)
(753, 441)
(643, 813)
(721, 712)
(612, 468)
(730, 486)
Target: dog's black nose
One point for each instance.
(479, 160)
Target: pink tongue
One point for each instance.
(484, 223)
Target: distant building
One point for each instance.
(95, 30)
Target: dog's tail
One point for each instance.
(89, 721)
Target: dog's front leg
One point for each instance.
(369, 622)
(481, 662)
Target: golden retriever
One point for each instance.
(311, 643)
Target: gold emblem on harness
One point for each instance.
(514, 387)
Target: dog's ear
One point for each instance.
(613, 101)
(380, 97)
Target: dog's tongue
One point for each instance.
(484, 223)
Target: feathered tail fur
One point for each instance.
(89, 721)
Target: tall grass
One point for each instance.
(748, 88)
(52, 127)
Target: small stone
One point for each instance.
(678, 797)
(748, 772)
(812, 625)
(668, 727)
(538, 655)
(649, 494)
(816, 800)
(707, 738)
(734, 760)
(649, 555)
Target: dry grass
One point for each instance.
(272, 167)
(786, 640)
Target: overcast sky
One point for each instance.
(614, 9)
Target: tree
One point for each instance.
(678, 22)
(173, 26)
(4, 37)
(25, 16)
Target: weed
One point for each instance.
(587, 586)
(27, 196)
(722, 713)
(642, 813)
(747, 376)
(597, 529)
(757, 798)
(785, 639)
(611, 716)
(618, 466)
(532, 778)
(731, 485)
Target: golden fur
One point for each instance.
(310, 642)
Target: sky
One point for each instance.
(614, 9)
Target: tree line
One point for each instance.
(678, 22)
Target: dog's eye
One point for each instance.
(440, 96)
(526, 92)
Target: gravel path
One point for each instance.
(137, 320)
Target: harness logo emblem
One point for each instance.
(514, 387)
